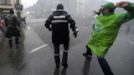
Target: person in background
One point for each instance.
(13, 26)
(2, 24)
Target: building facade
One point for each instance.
(6, 5)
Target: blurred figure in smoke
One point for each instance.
(59, 23)
(105, 32)
(13, 26)
(1, 24)
(24, 20)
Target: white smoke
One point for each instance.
(120, 0)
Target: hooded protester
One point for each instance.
(12, 25)
(58, 22)
(106, 29)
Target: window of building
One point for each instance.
(5, 2)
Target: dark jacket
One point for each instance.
(12, 25)
(58, 23)
(12, 21)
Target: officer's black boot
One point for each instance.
(57, 61)
(11, 43)
(64, 59)
(16, 40)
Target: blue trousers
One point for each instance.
(103, 63)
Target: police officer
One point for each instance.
(58, 22)
(13, 26)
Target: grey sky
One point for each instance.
(120, 0)
(28, 3)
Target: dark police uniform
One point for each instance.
(12, 25)
(59, 23)
(12, 30)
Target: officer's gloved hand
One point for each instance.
(50, 29)
(19, 28)
(75, 33)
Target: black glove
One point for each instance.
(50, 29)
(75, 33)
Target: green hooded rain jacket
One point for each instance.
(106, 30)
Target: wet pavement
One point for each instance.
(34, 56)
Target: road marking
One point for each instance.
(130, 42)
(38, 48)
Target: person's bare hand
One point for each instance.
(122, 4)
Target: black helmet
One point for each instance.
(11, 11)
(60, 6)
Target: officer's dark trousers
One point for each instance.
(103, 63)
(57, 54)
(11, 41)
(13, 32)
